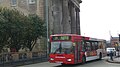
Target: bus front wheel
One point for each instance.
(63, 64)
(83, 60)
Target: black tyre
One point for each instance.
(63, 64)
(83, 60)
(100, 56)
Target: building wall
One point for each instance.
(114, 41)
(25, 6)
(64, 16)
(5, 3)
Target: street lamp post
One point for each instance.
(118, 47)
(46, 19)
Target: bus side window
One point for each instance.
(96, 45)
(78, 45)
(83, 45)
(100, 45)
(93, 45)
(88, 46)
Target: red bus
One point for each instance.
(73, 49)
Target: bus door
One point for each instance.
(78, 51)
(78, 48)
(75, 52)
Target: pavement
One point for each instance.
(115, 60)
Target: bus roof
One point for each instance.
(64, 35)
(88, 38)
(69, 35)
(95, 39)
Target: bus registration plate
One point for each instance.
(59, 62)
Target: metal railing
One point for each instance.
(22, 58)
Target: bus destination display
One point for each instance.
(55, 38)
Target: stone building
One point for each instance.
(114, 41)
(64, 16)
(25, 6)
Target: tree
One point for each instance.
(35, 30)
(11, 28)
(18, 30)
(3, 36)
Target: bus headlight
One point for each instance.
(69, 60)
(51, 59)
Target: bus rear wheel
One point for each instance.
(83, 60)
(100, 56)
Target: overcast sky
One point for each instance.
(100, 18)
